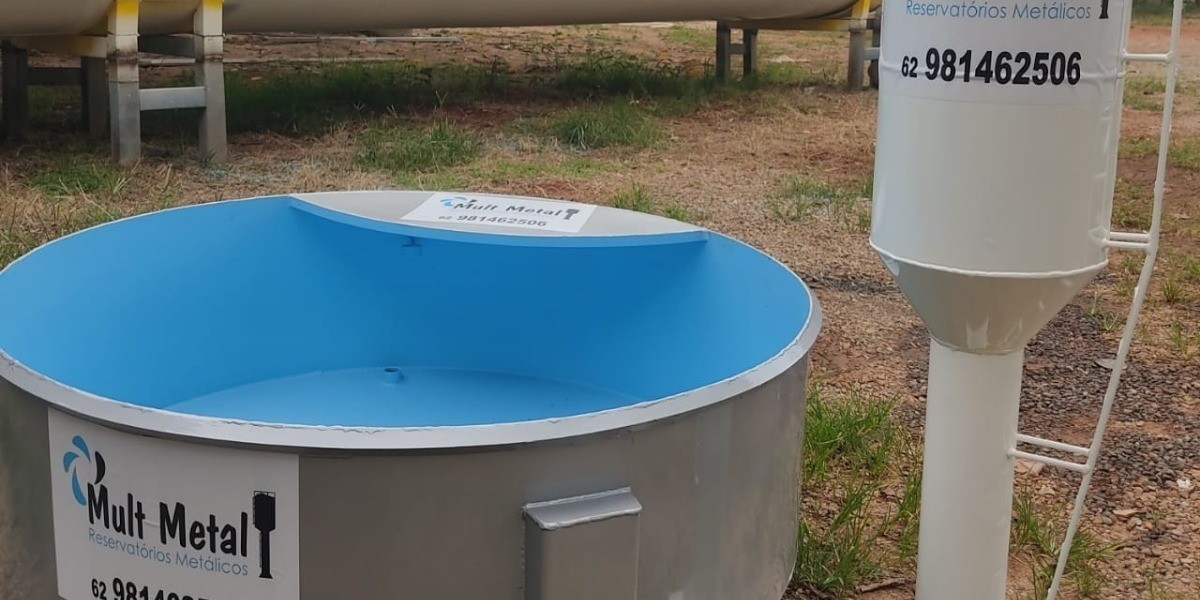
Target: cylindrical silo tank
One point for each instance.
(997, 137)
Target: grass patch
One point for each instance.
(636, 198)
(1186, 154)
(1182, 154)
(1184, 339)
(1144, 93)
(1139, 147)
(1173, 292)
(853, 446)
(397, 151)
(610, 74)
(311, 100)
(1158, 12)
(690, 37)
(74, 176)
(1107, 320)
(680, 213)
(25, 226)
(1037, 533)
(616, 124)
(855, 433)
(792, 75)
(1131, 208)
(800, 198)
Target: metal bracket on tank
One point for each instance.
(1139, 241)
(582, 548)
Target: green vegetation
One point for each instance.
(309, 101)
(1037, 534)
(1107, 320)
(1144, 93)
(400, 150)
(1173, 292)
(635, 198)
(78, 175)
(680, 213)
(615, 124)
(1184, 154)
(25, 227)
(1131, 206)
(613, 74)
(800, 198)
(690, 36)
(1185, 339)
(852, 446)
(1158, 12)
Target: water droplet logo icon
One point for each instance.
(449, 202)
(70, 466)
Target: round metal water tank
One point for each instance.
(400, 394)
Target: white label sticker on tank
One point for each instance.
(465, 209)
(140, 518)
(1003, 51)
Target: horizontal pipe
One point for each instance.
(1045, 443)
(1143, 57)
(1053, 462)
(172, 98)
(1111, 243)
(1129, 236)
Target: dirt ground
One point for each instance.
(723, 162)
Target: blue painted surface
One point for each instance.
(258, 310)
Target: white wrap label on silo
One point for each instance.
(140, 518)
(1003, 51)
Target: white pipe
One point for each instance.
(1139, 296)
(967, 486)
(1044, 443)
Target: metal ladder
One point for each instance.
(1121, 240)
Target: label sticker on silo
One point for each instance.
(521, 213)
(140, 518)
(1003, 51)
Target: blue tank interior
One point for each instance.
(266, 311)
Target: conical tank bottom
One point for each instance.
(985, 313)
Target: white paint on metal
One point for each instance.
(993, 208)
(967, 481)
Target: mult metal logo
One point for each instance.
(209, 536)
(464, 203)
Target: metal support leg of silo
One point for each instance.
(858, 58)
(124, 91)
(726, 49)
(127, 100)
(95, 96)
(209, 39)
(14, 99)
(873, 51)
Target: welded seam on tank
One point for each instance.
(995, 274)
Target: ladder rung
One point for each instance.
(1111, 243)
(1053, 462)
(1141, 57)
(1129, 236)
(1045, 443)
